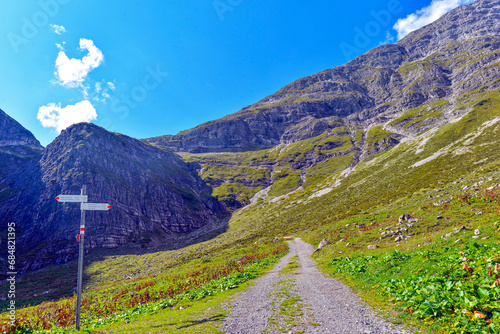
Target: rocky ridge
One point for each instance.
(452, 56)
(18, 146)
(155, 196)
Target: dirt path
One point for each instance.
(301, 299)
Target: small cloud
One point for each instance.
(426, 15)
(86, 91)
(72, 72)
(97, 91)
(54, 116)
(111, 86)
(60, 46)
(388, 39)
(58, 29)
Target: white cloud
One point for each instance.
(388, 39)
(54, 116)
(426, 15)
(97, 91)
(58, 29)
(86, 91)
(72, 72)
(60, 46)
(111, 86)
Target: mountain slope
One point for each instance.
(155, 196)
(17, 145)
(18, 148)
(454, 55)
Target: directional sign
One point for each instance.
(95, 206)
(72, 198)
(84, 206)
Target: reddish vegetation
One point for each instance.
(106, 302)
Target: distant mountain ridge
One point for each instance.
(17, 145)
(12, 133)
(331, 121)
(438, 61)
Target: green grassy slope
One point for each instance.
(236, 177)
(120, 289)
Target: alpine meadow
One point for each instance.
(389, 162)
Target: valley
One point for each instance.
(393, 158)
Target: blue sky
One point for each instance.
(149, 68)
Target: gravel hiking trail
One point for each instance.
(295, 297)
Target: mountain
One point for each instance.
(331, 121)
(155, 196)
(452, 56)
(17, 145)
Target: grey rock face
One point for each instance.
(476, 20)
(154, 195)
(12, 133)
(18, 146)
(323, 243)
(439, 62)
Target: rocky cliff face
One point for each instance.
(154, 196)
(18, 146)
(452, 56)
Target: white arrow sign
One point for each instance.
(95, 206)
(72, 198)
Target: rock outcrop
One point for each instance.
(18, 146)
(155, 196)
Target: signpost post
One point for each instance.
(82, 199)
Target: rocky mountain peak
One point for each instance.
(476, 20)
(18, 146)
(155, 196)
(14, 134)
